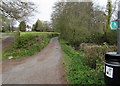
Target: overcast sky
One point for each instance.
(45, 8)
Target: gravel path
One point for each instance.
(44, 67)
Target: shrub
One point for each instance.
(112, 37)
(95, 52)
(95, 37)
(26, 45)
(24, 41)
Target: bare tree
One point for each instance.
(17, 9)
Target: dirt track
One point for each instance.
(44, 67)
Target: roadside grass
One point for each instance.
(23, 33)
(8, 34)
(76, 71)
(40, 33)
(26, 45)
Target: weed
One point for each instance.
(26, 45)
(77, 71)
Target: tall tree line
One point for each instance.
(78, 21)
(42, 26)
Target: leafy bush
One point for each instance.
(24, 41)
(76, 71)
(100, 38)
(95, 37)
(95, 52)
(112, 37)
(26, 45)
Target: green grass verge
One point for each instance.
(23, 33)
(8, 34)
(77, 71)
(26, 45)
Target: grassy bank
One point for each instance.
(27, 44)
(76, 71)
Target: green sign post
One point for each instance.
(114, 25)
(112, 59)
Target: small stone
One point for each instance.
(10, 57)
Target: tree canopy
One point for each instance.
(22, 26)
(17, 9)
(77, 21)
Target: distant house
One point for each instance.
(28, 28)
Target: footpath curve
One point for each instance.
(44, 67)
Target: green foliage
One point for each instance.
(111, 37)
(22, 26)
(52, 34)
(24, 41)
(26, 45)
(77, 22)
(5, 29)
(9, 34)
(33, 27)
(100, 38)
(96, 38)
(38, 26)
(77, 71)
(6, 23)
(94, 53)
(83, 22)
(41, 26)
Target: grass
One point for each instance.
(27, 44)
(76, 71)
(8, 34)
(23, 33)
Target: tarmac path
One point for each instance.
(45, 67)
